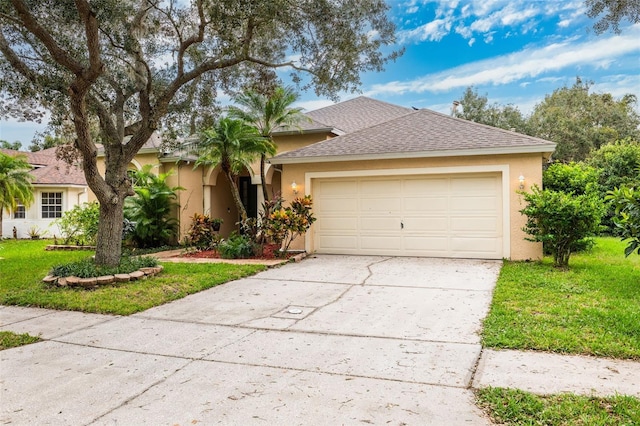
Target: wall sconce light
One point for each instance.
(521, 179)
(294, 187)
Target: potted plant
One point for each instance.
(34, 232)
(215, 224)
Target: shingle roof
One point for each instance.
(357, 113)
(418, 133)
(48, 170)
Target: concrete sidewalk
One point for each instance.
(330, 340)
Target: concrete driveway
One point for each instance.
(331, 340)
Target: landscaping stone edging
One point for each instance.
(72, 281)
(298, 257)
(51, 247)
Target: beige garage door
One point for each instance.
(439, 216)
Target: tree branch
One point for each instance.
(59, 54)
(202, 25)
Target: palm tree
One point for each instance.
(233, 144)
(268, 113)
(15, 183)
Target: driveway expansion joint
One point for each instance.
(139, 394)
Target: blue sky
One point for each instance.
(515, 52)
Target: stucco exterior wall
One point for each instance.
(190, 199)
(71, 196)
(527, 165)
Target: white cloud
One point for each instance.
(618, 85)
(527, 63)
(564, 23)
(431, 31)
(484, 16)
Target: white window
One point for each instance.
(51, 205)
(20, 212)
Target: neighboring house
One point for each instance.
(57, 188)
(385, 180)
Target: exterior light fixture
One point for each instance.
(294, 187)
(521, 179)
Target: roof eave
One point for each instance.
(530, 149)
(60, 184)
(151, 150)
(333, 130)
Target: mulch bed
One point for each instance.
(269, 252)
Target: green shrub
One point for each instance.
(236, 247)
(152, 209)
(80, 225)
(619, 163)
(86, 268)
(626, 202)
(561, 221)
(572, 178)
(203, 232)
(283, 225)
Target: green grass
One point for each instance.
(593, 308)
(9, 339)
(515, 407)
(26, 262)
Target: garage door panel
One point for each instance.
(345, 188)
(337, 223)
(387, 205)
(377, 187)
(481, 247)
(426, 186)
(425, 204)
(427, 243)
(332, 242)
(475, 223)
(428, 224)
(336, 205)
(473, 184)
(478, 203)
(381, 243)
(443, 216)
(375, 224)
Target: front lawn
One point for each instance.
(24, 263)
(515, 407)
(593, 308)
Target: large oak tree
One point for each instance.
(132, 67)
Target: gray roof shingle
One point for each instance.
(421, 132)
(357, 113)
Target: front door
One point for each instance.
(249, 196)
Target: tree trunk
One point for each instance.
(1, 212)
(263, 160)
(235, 193)
(109, 241)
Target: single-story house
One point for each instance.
(58, 187)
(385, 180)
(421, 184)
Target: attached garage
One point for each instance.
(458, 215)
(422, 184)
